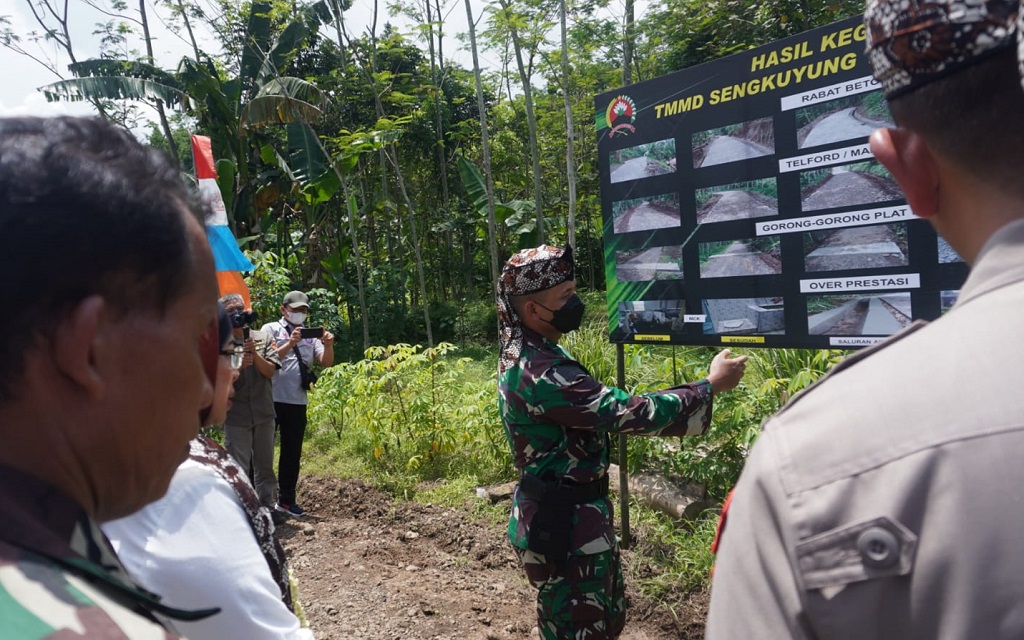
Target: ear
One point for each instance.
(79, 343)
(911, 161)
(527, 310)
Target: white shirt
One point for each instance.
(195, 548)
(287, 387)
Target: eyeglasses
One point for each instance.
(237, 355)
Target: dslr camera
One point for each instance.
(242, 318)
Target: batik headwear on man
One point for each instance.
(529, 271)
(913, 42)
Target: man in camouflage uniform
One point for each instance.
(557, 420)
(111, 320)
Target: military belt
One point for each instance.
(540, 490)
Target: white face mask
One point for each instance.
(295, 318)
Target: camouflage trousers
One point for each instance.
(584, 601)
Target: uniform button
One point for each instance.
(879, 548)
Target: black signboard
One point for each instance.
(742, 204)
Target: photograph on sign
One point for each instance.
(847, 118)
(947, 254)
(866, 247)
(655, 263)
(781, 229)
(642, 214)
(869, 314)
(947, 299)
(737, 201)
(734, 142)
(742, 257)
(653, 317)
(643, 160)
(744, 316)
(858, 183)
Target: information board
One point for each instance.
(742, 204)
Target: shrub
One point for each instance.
(411, 411)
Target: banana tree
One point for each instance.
(513, 216)
(229, 110)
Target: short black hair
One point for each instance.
(973, 118)
(85, 209)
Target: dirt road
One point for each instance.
(737, 260)
(373, 569)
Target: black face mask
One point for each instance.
(567, 317)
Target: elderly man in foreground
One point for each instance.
(111, 316)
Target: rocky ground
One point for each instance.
(370, 568)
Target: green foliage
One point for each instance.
(269, 282)
(671, 559)
(875, 106)
(767, 187)
(478, 323)
(715, 459)
(413, 414)
(773, 376)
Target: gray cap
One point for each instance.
(295, 299)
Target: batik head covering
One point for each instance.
(913, 42)
(529, 271)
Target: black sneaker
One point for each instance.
(278, 517)
(290, 509)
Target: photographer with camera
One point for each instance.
(298, 347)
(249, 427)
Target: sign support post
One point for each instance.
(620, 379)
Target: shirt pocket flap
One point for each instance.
(868, 550)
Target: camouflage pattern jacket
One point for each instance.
(557, 419)
(58, 575)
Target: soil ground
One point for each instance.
(371, 568)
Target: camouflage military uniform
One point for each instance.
(557, 419)
(58, 574)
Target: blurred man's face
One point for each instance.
(232, 308)
(162, 388)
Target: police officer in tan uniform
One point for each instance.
(884, 502)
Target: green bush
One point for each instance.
(478, 323)
(411, 412)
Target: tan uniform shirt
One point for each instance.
(885, 502)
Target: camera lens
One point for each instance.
(242, 318)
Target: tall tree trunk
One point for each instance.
(392, 155)
(436, 73)
(339, 26)
(188, 28)
(358, 257)
(570, 132)
(164, 124)
(627, 43)
(492, 226)
(393, 148)
(531, 123)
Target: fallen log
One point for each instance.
(683, 500)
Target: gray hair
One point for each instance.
(232, 299)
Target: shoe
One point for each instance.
(278, 517)
(291, 509)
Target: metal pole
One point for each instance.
(620, 368)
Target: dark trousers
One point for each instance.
(291, 421)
